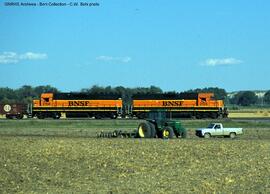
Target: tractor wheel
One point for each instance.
(153, 130)
(207, 135)
(145, 130)
(167, 133)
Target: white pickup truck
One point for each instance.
(216, 129)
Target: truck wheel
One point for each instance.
(232, 135)
(167, 133)
(207, 135)
(144, 130)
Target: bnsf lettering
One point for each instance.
(78, 103)
(172, 103)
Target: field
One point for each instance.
(65, 157)
(249, 112)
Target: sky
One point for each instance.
(176, 45)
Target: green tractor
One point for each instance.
(157, 125)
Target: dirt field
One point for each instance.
(63, 157)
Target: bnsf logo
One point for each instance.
(172, 103)
(78, 103)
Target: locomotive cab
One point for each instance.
(46, 99)
(204, 99)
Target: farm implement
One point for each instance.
(156, 126)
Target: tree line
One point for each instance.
(27, 93)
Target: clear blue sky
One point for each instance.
(176, 45)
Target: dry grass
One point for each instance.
(250, 113)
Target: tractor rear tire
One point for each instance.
(153, 130)
(167, 133)
(145, 130)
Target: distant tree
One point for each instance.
(7, 95)
(26, 91)
(24, 94)
(218, 92)
(96, 89)
(266, 97)
(45, 89)
(155, 90)
(245, 98)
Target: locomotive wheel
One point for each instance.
(56, 115)
(97, 116)
(198, 116)
(113, 116)
(167, 133)
(40, 116)
(20, 116)
(145, 130)
(214, 115)
(9, 116)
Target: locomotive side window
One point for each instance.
(203, 99)
(46, 99)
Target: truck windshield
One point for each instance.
(210, 126)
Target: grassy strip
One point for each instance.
(89, 128)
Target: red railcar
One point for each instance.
(14, 110)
